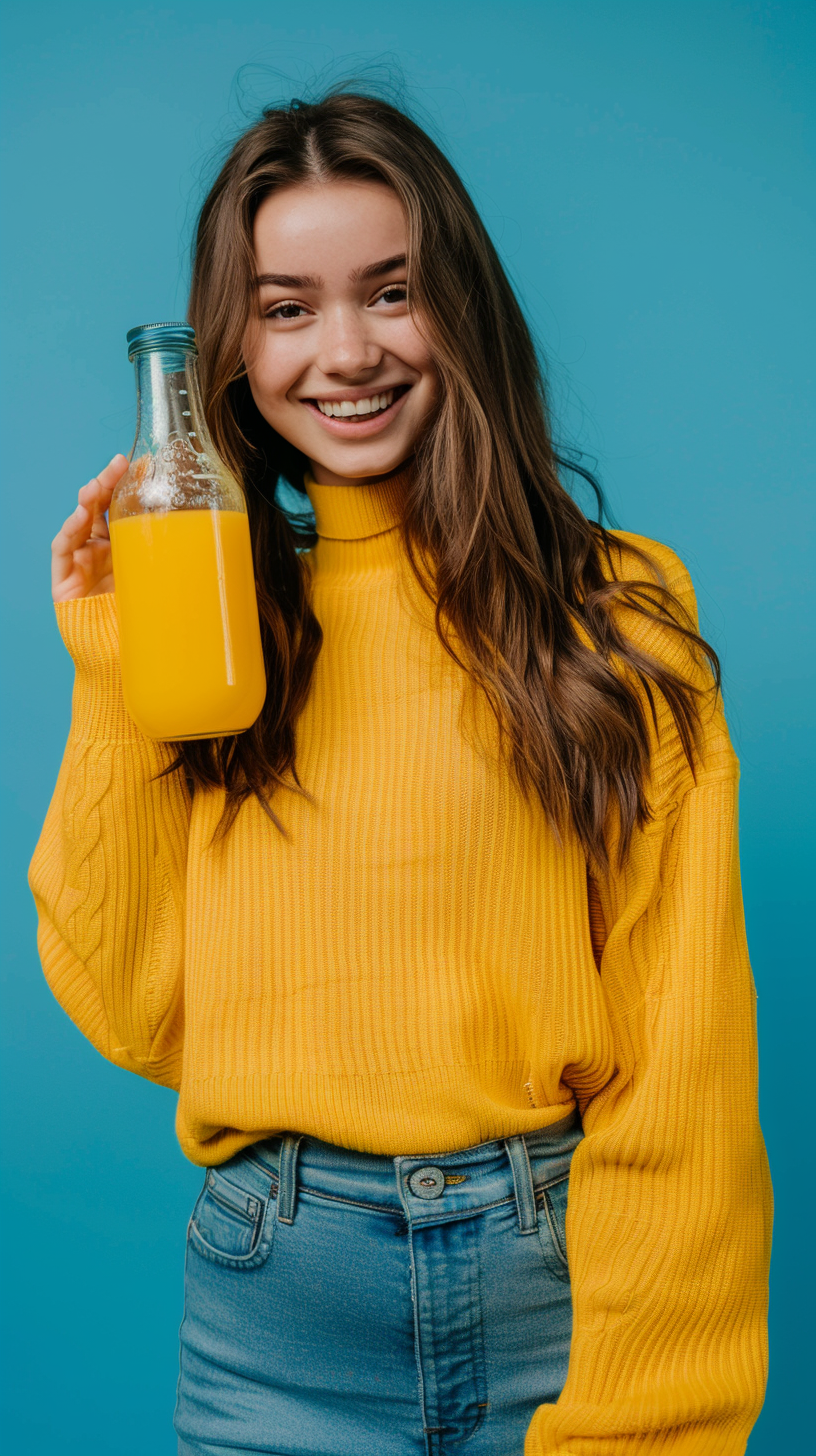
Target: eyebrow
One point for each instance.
(287, 280)
(376, 270)
(359, 275)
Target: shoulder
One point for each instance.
(630, 543)
(666, 629)
(650, 569)
(664, 567)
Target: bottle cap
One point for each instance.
(160, 336)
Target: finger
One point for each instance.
(112, 474)
(96, 503)
(76, 535)
(93, 556)
(80, 569)
(99, 529)
(74, 532)
(99, 490)
(87, 522)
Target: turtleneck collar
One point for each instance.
(355, 512)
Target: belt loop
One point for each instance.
(287, 1177)
(523, 1183)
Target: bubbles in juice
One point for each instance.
(192, 664)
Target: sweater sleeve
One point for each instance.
(108, 871)
(670, 1204)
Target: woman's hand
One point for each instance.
(81, 553)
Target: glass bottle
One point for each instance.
(190, 642)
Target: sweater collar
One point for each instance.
(355, 512)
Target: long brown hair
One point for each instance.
(525, 585)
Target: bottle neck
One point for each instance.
(168, 401)
(173, 463)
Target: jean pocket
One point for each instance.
(230, 1225)
(551, 1201)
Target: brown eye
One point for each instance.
(396, 293)
(285, 311)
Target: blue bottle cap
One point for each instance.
(160, 336)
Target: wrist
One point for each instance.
(90, 630)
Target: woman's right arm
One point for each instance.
(108, 872)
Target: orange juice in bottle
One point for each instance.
(190, 642)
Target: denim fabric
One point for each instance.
(340, 1303)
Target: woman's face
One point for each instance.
(335, 361)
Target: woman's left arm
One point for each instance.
(670, 1204)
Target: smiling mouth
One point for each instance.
(354, 411)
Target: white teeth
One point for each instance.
(344, 408)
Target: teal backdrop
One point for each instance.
(646, 171)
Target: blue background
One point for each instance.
(644, 168)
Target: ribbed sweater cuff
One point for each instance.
(90, 630)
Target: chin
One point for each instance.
(357, 463)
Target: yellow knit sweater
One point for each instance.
(420, 967)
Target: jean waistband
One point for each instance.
(425, 1188)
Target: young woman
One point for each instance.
(457, 926)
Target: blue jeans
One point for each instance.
(340, 1303)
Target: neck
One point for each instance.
(353, 509)
(323, 476)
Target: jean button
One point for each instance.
(427, 1182)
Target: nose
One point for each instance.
(347, 346)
